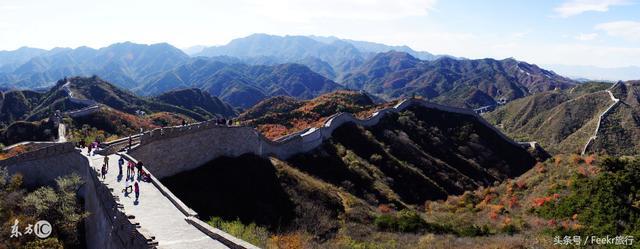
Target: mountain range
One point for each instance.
(464, 83)
(26, 105)
(253, 68)
(242, 85)
(330, 56)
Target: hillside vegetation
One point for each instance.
(279, 116)
(109, 124)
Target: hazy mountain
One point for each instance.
(340, 55)
(598, 73)
(243, 85)
(125, 64)
(465, 83)
(193, 49)
(373, 47)
(10, 60)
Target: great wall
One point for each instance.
(117, 223)
(601, 118)
(172, 150)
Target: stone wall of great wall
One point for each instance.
(168, 151)
(601, 119)
(107, 226)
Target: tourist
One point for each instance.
(130, 142)
(104, 171)
(106, 162)
(129, 170)
(184, 122)
(145, 177)
(136, 189)
(89, 150)
(139, 167)
(126, 188)
(120, 163)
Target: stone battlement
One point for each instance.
(48, 150)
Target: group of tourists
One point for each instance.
(132, 177)
(227, 122)
(91, 148)
(141, 175)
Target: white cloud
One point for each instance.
(629, 30)
(576, 7)
(587, 37)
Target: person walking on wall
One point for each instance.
(127, 188)
(104, 171)
(129, 170)
(130, 141)
(89, 150)
(136, 190)
(106, 162)
(120, 163)
(139, 167)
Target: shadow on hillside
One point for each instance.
(246, 187)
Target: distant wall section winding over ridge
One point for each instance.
(169, 151)
(602, 117)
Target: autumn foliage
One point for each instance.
(288, 241)
(13, 152)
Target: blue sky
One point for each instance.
(603, 33)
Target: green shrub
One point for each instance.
(409, 221)
(509, 229)
(404, 221)
(251, 233)
(473, 230)
(386, 222)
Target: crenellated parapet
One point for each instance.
(48, 149)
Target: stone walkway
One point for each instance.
(155, 212)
